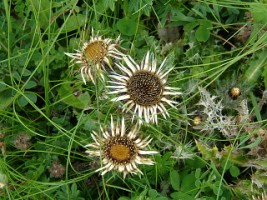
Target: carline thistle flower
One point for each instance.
(120, 149)
(143, 88)
(95, 55)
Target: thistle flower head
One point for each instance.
(120, 150)
(57, 170)
(143, 88)
(95, 55)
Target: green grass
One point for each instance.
(215, 45)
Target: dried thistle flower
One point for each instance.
(94, 55)
(22, 141)
(181, 152)
(197, 120)
(234, 92)
(3, 180)
(143, 88)
(57, 170)
(120, 150)
(212, 109)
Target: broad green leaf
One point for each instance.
(42, 11)
(178, 16)
(196, 162)
(226, 163)
(6, 98)
(110, 4)
(26, 72)
(2, 86)
(24, 100)
(188, 184)
(234, 171)
(152, 193)
(32, 97)
(104, 5)
(202, 33)
(181, 196)
(30, 84)
(206, 23)
(198, 173)
(190, 26)
(124, 198)
(217, 189)
(175, 179)
(143, 194)
(161, 198)
(74, 190)
(127, 26)
(146, 7)
(74, 22)
(16, 75)
(70, 97)
(74, 43)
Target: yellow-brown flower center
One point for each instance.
(95, 51)
(120, 152)
(119, 149)
(234, 92)
(145, 88)
(197, 120)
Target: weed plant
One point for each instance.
(211, 146)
